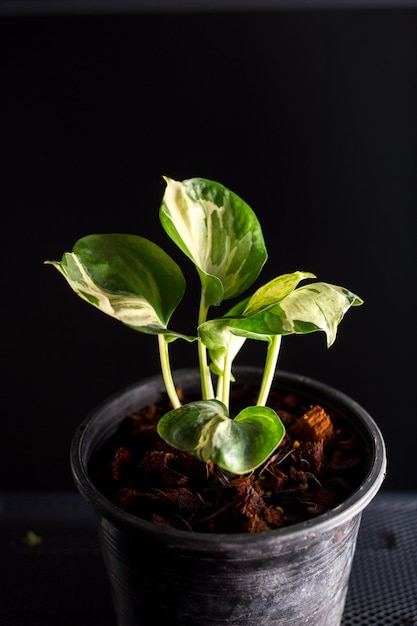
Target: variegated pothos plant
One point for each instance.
(133, 280)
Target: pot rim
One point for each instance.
(325, 522)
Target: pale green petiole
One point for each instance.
(207, 391)
(166, 371)
(227, 375)
(219, 387)
(269, 371)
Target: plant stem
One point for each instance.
(207, 391)
(166, 371)
(219, 388)
(269, 370)
(226, 374)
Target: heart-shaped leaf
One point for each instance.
(218, 231)
(238, 445)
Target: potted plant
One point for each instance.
(222, 493)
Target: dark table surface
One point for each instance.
(61, 580)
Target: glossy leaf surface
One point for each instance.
(127, 277)
(310, 308)
(245, 319)
(238, 445)
(282, 310)
(218, 231)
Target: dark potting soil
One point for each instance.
(320, 462)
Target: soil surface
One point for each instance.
(320, 462)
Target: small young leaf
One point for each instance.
(218, 231)
(218, 339)
(127, 277)
(204, 429)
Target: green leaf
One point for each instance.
(232, 347)
(314, 307)
(238, 445)
(242, 320)
(272, 292)
(127, 277)
(218, 231)
(278, 308)
(247, 441)
(190, 427)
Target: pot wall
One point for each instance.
(304, 582)
(292, 576)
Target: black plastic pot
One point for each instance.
(293, 576)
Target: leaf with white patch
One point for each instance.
(127, 277)
(314, 307)
(218, 231)
(240, 323)
(274, 291)
(238, 445)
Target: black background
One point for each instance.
(310, 116)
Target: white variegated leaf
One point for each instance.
(127, 277)
(218, 231)
(241, 322)
(318, 306)
(272, 292)
(131, 310)
(314, 307)
(205, 429)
